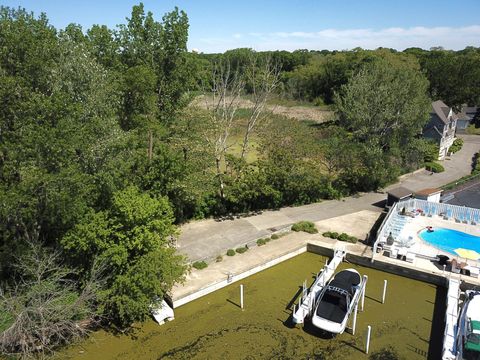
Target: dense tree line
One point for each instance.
(104, 150)
(315, 76)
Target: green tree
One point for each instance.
(384, 105)
(132, 239)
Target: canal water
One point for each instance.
(214, 326)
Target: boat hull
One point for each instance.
(337, 302)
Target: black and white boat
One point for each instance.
(337, 301)
(468, 339)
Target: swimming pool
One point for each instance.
(449, 240)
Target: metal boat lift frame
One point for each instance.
(309, 296)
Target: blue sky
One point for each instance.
(216, 26)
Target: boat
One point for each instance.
(468, 339)
(337, 301)
(162, 312)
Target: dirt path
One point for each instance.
(294, 112)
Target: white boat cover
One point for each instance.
(163, 312)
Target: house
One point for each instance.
(465, 117)
(397, 194)
(430, 194)
(441, 127)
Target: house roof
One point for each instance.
(468, 112)
(400, 192)
(469, 109)
(442, 110)
(428, 191)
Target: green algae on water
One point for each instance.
(214, 326)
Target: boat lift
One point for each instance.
(307, 302)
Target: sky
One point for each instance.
(216, 26)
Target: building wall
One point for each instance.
(434, 198)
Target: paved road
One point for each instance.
(209, 238)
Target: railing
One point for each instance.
(459, 213)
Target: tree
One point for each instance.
(384, 105)
(263, 77)
(454, 76)
(133, 239)
(44, 308)
(222, 105)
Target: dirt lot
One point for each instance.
(294, 112)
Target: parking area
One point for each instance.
(466, 195)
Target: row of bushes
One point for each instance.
(434, 167)
(199, 265)
(456, 146)
(264, 241)
(341, 237)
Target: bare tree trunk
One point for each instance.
(265, 79)
(222, 106)
(220, 178)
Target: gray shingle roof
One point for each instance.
(400, 192)
(441, 110)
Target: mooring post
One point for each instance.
(384, 291)
(365, 280)
(367, 345)
(241, 296)
(354, 325)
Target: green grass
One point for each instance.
(472, 130)
(460, 181)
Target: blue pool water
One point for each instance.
(449, 240)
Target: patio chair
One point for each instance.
(454, 267)
(410, 257)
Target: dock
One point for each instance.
(451, 320)
(305, 305)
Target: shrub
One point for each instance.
(275, 237)
(306, 226)
(456, 146)
(219, 258)
(476, 164)
(242, 249)
(434, 167)
(230, 252)
(199, 265)
(341, 237)
(261, 242)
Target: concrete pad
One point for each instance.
(269, 219)
(357, 224)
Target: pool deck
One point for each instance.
(419, 223)
(231, 269)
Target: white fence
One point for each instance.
(394, 222)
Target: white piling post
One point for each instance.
(354, 325)
(384, 291)
(365, 278)
(241, 296)
(367, 345)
